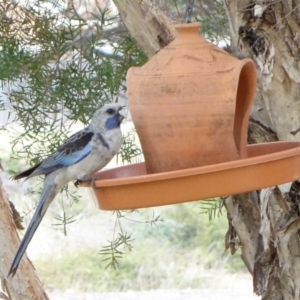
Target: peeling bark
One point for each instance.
(243, 215)
(268, 32)
(272, 41)
(277, 268)
(259, 133)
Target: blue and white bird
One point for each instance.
(81, 155)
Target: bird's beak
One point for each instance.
(122, 113)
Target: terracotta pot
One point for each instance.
(130, 187)
(190, 103)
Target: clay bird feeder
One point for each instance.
(190, 104)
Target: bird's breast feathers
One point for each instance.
(110, 141)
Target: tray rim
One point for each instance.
(293, 150)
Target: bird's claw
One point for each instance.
(90, 180)
(78, 182)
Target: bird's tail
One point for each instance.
(26, 173)
(48, 194)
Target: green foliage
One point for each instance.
(130, 150)
(64, 220)
(112, 252)
(214, 22)
(56, 71)
(212, 207)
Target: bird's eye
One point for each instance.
(110, 111)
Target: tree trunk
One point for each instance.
(264, 223)
(25, 284)
(269, 32)
(147, 25)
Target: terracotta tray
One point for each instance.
(130, 187)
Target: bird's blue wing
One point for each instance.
(75, 148)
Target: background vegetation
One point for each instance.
(177, 252)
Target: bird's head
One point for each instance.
(108, 117)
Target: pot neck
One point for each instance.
(186, 30)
